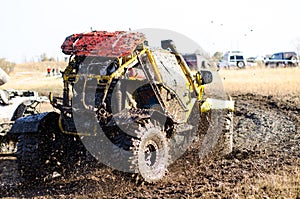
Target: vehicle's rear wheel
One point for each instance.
(241, 64)
(42, 157)
(48, 153)
(32, 157)
(293, 61)
(150, 152)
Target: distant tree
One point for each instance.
(217, 55)
(44, 57)
(51, 59)
(7, 66)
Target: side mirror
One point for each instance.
(169, 44)
(204, 77)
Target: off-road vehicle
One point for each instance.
(132, 107)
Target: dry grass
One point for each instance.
(38, 66)
(280, 81)
(32, 76)
(265, 81)
(281, 184)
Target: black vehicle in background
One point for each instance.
(282, 59)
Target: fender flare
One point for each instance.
(211, 104)
(33, 123)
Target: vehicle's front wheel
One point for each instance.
(267, 65)
(225, 141)
(218, 138)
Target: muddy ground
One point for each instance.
(264, 163)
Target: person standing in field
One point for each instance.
(48, 71)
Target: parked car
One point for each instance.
(232, 59)
(196, 61)
(251, 61)
(282, 59)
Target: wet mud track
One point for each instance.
(264, 163)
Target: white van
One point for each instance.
(233, 59)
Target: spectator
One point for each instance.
(48, 71)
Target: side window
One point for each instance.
(231, 58)
(288, 55)
(239, 58)
(277, 56)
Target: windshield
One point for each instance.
(276, 56)
(96, 65)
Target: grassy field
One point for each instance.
(265, 81)
(33, 76)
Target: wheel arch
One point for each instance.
(34, 123)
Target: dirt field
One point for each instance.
(263, 81)
(264, 164)
(34, 76)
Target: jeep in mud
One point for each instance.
(13, 105)
(131, 106)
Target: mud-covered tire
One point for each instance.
(47, 153)
(218, 138)
(42, 157)
(151, 153)
(32, 157)
(225, 142)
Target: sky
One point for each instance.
(32, 27)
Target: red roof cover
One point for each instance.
(102, 43)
